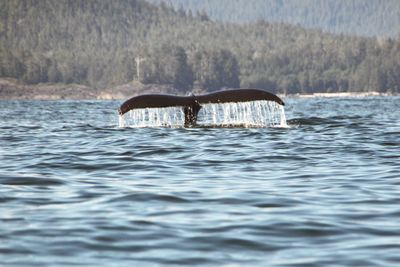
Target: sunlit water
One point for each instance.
(78, 190)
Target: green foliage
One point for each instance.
(168, 65)
(216, 69)
(97, 43)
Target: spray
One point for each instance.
(241, 114)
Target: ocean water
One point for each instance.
(77, 190)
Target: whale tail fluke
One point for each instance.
(192, 104)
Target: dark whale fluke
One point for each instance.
(192, 104)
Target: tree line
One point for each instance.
(108, 43)
(354, 17)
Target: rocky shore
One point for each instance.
(12, 89)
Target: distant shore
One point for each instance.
(341, 94)
(13, 90)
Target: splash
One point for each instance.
(242, 114)
(153, 117)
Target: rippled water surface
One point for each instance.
(77, 190)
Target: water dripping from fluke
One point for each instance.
(248, 108)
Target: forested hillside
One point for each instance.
(98, 43)
(354, 17)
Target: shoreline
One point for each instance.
(341, 95)
(10, 89)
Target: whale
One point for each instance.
(193, 103)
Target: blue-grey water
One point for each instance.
(77, 190)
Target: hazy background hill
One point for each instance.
(97, 43)
(361, 17)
